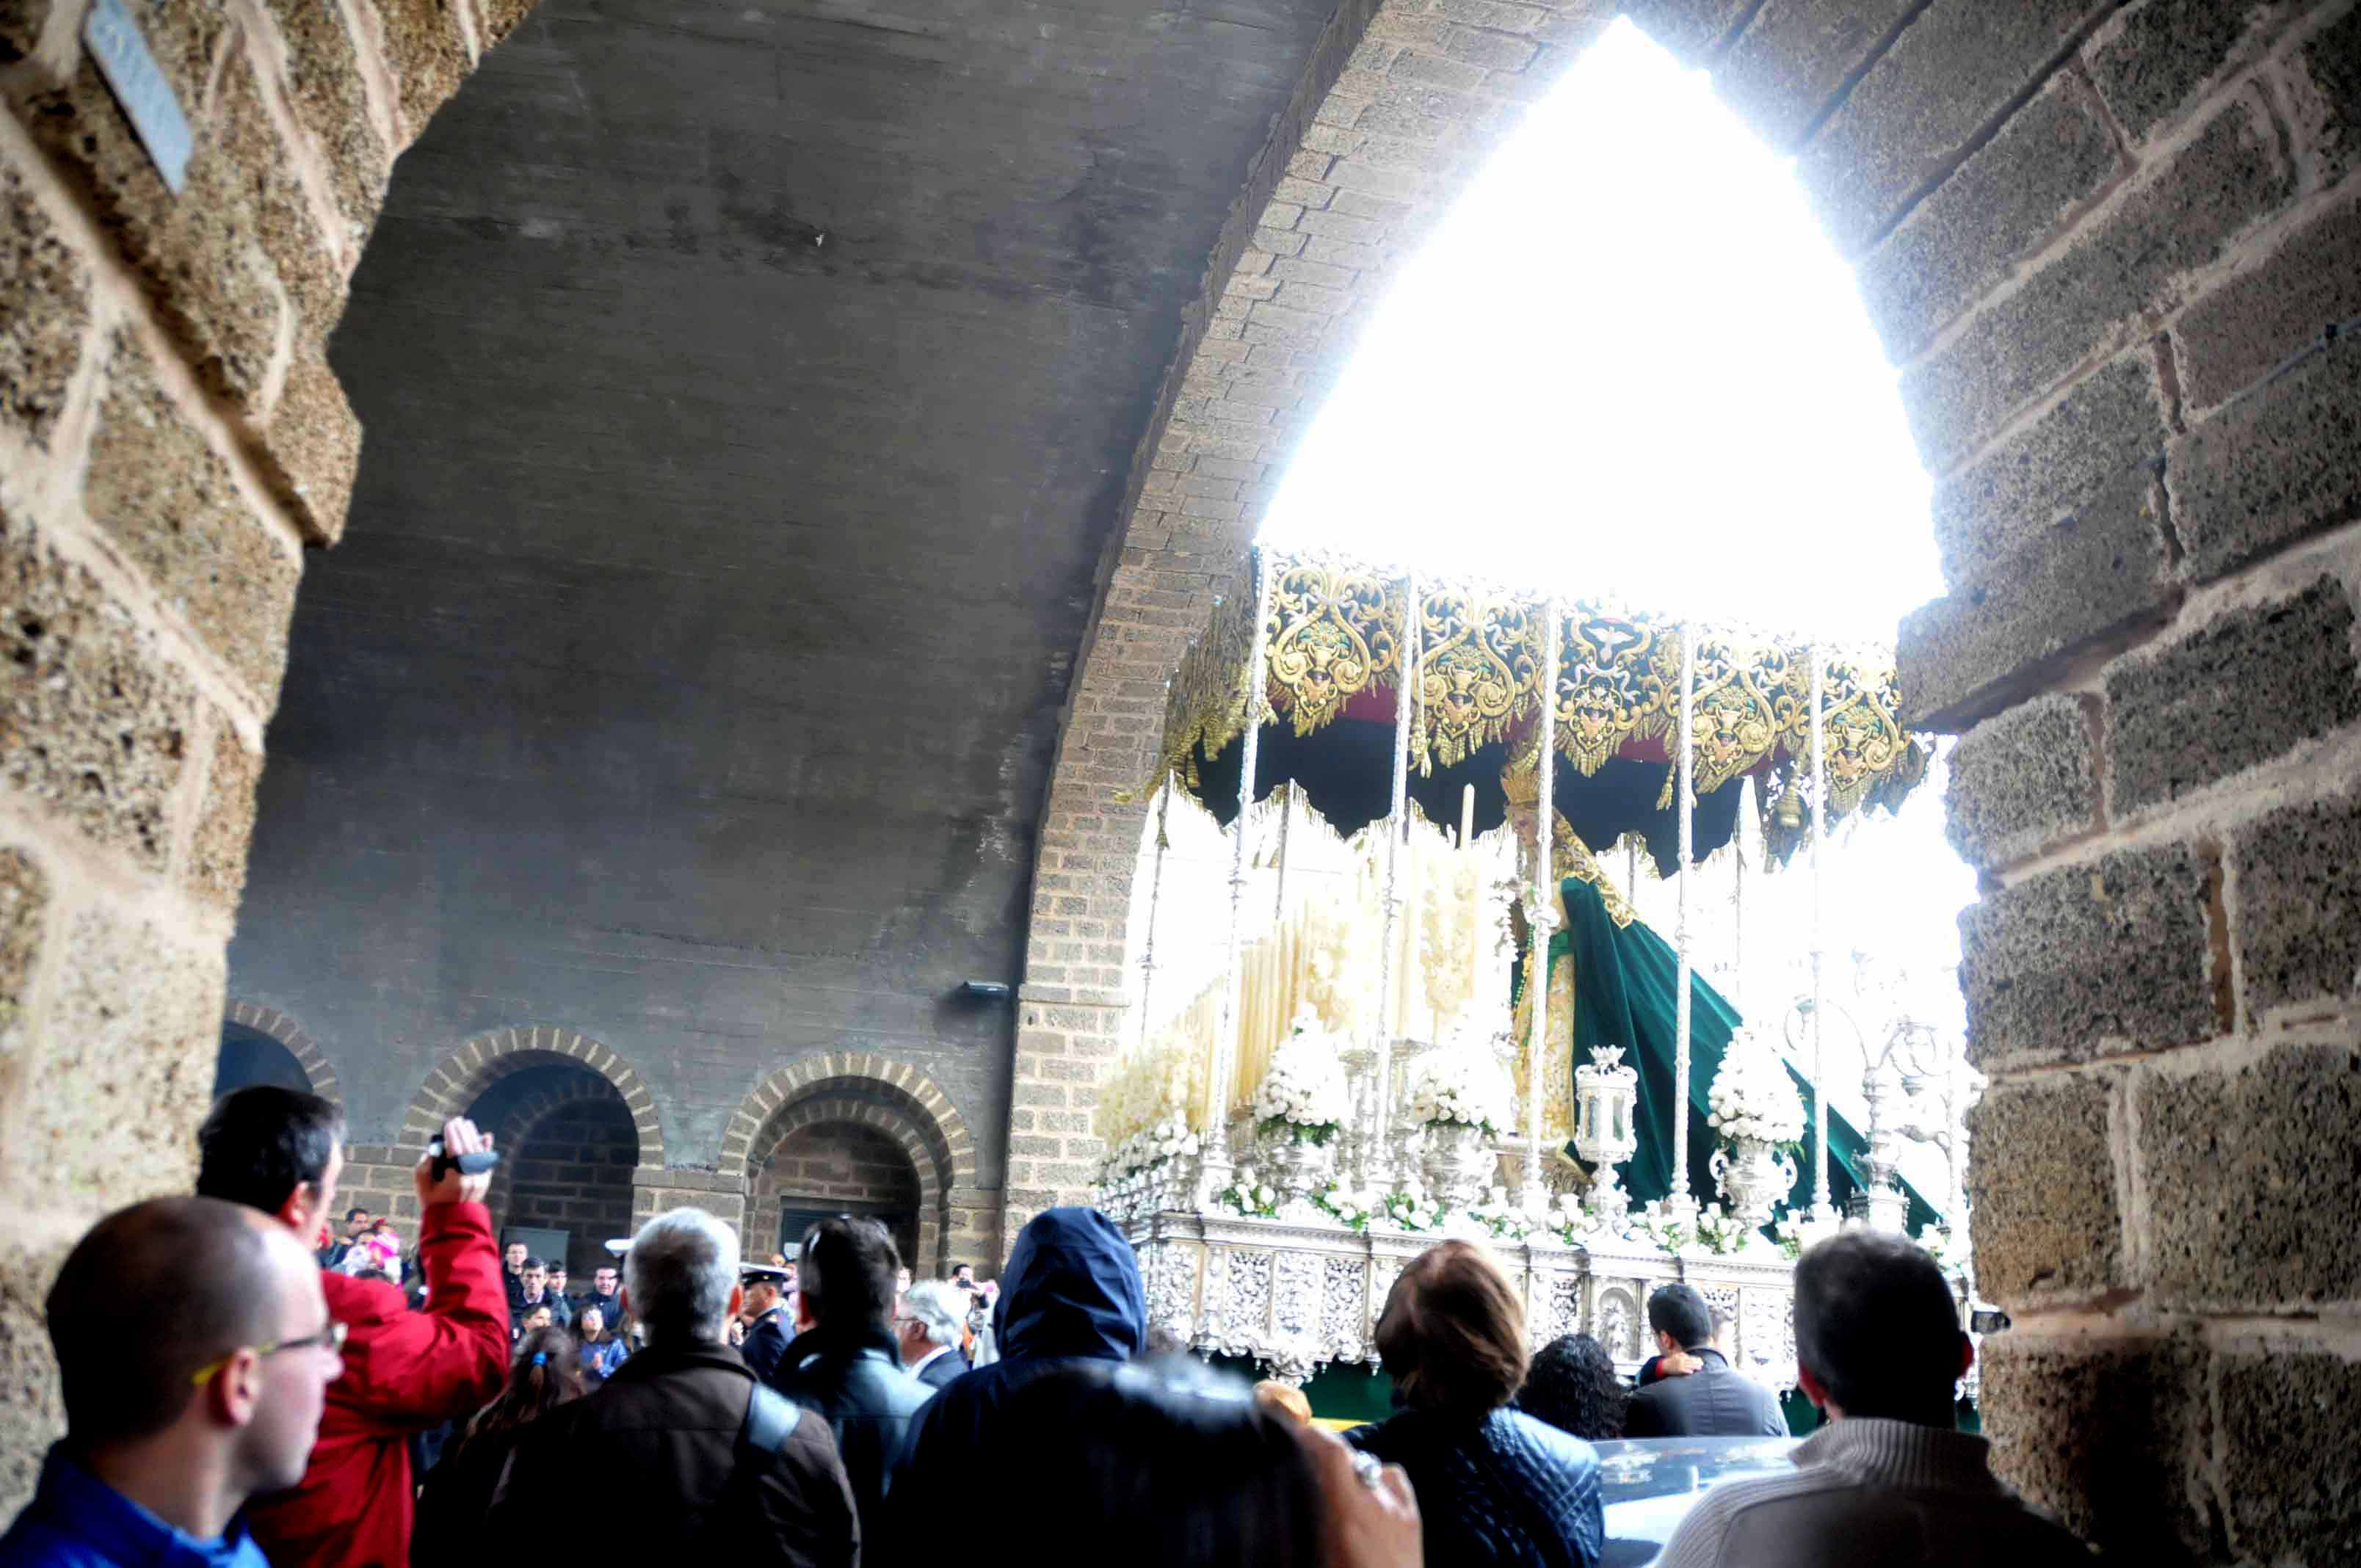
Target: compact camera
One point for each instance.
(465, 1164)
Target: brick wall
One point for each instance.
(573, 1173)
(171, 438)
(2113, 250)
(837, 1165)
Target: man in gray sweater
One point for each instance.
(1890, 1481)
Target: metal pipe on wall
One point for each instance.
(1544, 892)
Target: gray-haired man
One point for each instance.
(715, 1460)
(929, 1332)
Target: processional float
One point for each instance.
(1396, 995)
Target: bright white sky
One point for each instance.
(1629, 365)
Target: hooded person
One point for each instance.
(1070, 1293)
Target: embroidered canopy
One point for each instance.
(1333, 672)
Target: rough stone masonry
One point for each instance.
(2108, 247)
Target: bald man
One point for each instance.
(195, 1350)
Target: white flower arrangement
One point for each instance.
(1460, 1088)
(1666, 1231)
(1410, 1209)
(1350, 1209)
(1718, 1230)
(1501, 1217)
(1248, 1196)
(1149, 1149)
(1752, 1096)
(1304, 1094)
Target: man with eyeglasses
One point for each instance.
(280, 1152)
(195, 1350)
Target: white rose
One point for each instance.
(1265, 1194)
(1245, 1176)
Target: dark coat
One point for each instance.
(938, 1372)
(766, 1342)
(1712, 1401)
(856, 1383)
(1070, 1293)
(1504, 1488)
(669, 1419)
(454, 1495)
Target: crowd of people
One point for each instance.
(242, 1390)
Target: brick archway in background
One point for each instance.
(383, 1173)
(518, 1125)
(300, 1046)
(894, 1116)
(895, 1099)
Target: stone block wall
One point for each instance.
(2111, 248)
(171, 440)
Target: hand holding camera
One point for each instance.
(458, 1166)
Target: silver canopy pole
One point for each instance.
(1217, 1163)
(1822, 1209)
(1685, 805)
(1154, 897)
(1536, 1194)
(1383, 1167)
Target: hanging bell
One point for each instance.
(1790, 811)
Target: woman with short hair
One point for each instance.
(1494, 1485)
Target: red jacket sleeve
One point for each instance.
(406, 1370)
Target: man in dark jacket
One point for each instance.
(1712, 1401)
(281, 1151)
(681, 1420)
(933, 1315)
(767, 1324)
(844, 1364)
(1070, 1293)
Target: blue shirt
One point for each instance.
(76, 1520)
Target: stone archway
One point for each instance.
(456, 1083)
(569, 1157)
(898, 1101)
(831, 1128)
(299, 1045)
(2117, 260)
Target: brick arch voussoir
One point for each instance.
(455, 1082)
(931, 1111)
(317, 1069)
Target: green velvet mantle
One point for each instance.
(1625, 981)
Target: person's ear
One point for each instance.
(1811, 1387)
(737, 1300)
(298, 1213)
(233, 1394)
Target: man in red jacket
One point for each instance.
(281, 1151)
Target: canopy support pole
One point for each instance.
(1737, 904)
(1217, 1161)
(1539, 918)
(1822, 1209)
(1154, 897)
(1386, 1167)
(1680, 1202)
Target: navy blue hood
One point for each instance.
(1072, 1289)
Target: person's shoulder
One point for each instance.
(360, 1302)
(35, 1542)
(1718, 1515)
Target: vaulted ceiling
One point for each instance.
(750, 390)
